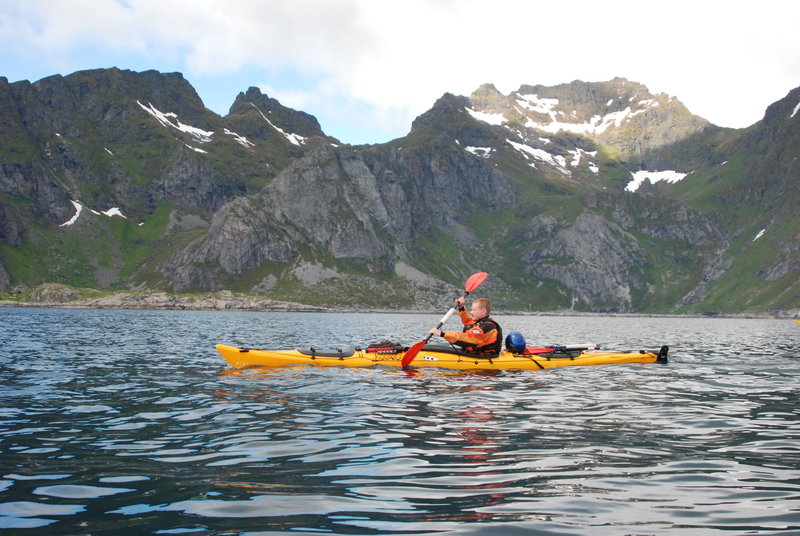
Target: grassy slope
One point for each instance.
(745, 195)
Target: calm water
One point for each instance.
(129, 422)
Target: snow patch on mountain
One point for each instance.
(557, 161)
(492, 119)
(794, 112)
(578, 153)
(241, 140)
(596, 125)
(483, 152)
(170, 119)
(539, 105)
(532, 107)
(294, 139)
(196, 149)
(653, 176)
(74, 218)
(110, 213)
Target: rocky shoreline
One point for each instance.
(51, 295)
(64, 296)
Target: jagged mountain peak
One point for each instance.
(580, 91)
(297, 126)
(785, 110)
(618, 113)
(245, 100)
(589, 108)
(488, 97)
(92, 88)
(447, 109)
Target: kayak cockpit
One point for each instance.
(313, 352)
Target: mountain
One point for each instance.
(140, 142)
(592, 196)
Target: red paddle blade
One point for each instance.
(412, 353)
(475, 281)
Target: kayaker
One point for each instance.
(481, 334)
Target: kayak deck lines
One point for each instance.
(438, 355)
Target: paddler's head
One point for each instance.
(480, 308)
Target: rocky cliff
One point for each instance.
(570, 196)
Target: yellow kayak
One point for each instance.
(438, 355)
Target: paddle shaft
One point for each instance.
(444, 319)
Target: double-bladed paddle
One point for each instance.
(472, 283)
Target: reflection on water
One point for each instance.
(128, 420)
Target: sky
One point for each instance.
(366, 68)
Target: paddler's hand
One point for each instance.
(460, 303)
(437, 332)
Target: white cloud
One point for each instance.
(382, 62)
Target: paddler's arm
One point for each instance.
(466, 319)
(474, 336)
(461, 309)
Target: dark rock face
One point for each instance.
(352, 205)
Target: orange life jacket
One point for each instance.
(490, 346)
